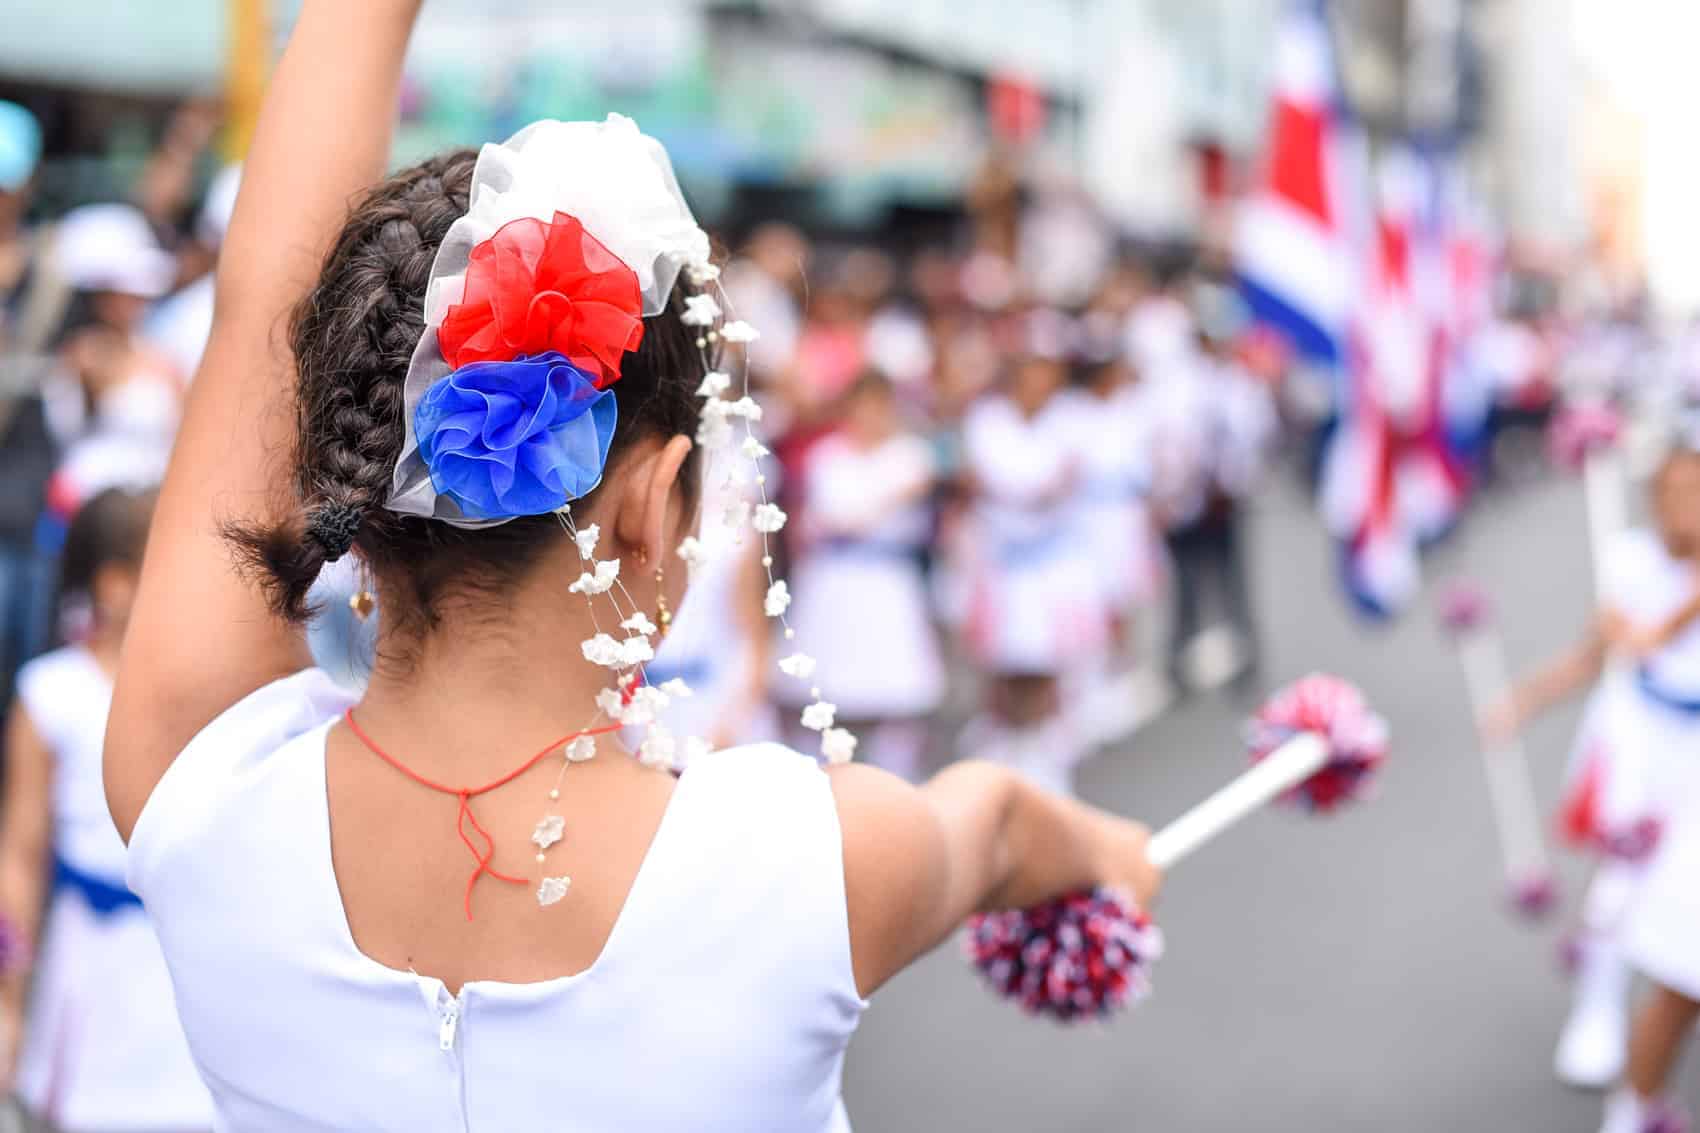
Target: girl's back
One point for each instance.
(723, 979)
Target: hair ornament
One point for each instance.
(332, 527)
(574, 233)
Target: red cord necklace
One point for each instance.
(464, 816)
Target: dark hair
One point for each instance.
(352, 337)
(870, 381)
(111, 528)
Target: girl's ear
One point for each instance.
(653, 497)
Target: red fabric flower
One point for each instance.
(541, 285)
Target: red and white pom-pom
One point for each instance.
(1087, 954)
(1579, 428)
(1082, 956)
(1336, 711)
(1465, 607)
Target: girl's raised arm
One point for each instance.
(200, 637)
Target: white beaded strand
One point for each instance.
(766, 518)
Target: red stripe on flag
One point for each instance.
(1296, 158)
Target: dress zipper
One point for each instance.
(449, 1010)
(450, 1020)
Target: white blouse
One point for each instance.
(722, 1000)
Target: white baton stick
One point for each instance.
(1608, 507)
(1287, 766)
(1510, 786)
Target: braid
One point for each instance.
(352, 338)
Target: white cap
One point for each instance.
(111, 248)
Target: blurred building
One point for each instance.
(870, 114)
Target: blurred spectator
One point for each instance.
(861, 600)
(1212, 423)
(114, 404)
(32, 299)
(832, 348)
(1066, 246)
(180, 324)
(1111, 513)
(763, 285)
(93, 1037)
(1031, 614)
(895, 340)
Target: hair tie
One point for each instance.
(332, 527)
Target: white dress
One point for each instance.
(1640, 737)
(102, 1045)
(1110, 512)
(1639, 759)
(1662, 925)
(1033, 605)
(860, 606)
(722, 1001)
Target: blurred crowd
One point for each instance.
(1020, 454)
(1015, 463)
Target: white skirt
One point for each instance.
(861, 611)
(1127, 559)
(1038, 611)
(1632, 756)
(1662, 928)
(102, 1045)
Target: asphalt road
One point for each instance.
(1358, 972)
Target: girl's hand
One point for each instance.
(1634, 640)
(1125, 866)
(1500, 723)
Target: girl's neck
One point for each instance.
(486, 685)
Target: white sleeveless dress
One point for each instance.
(1033, 605)
(861, 597)
(102, 1046)
(722, 1000)
(1639, 744)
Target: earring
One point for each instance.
(642, 556)
(663, 616)
(362, 603)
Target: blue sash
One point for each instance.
(1031, 551)
(692, 670)
(1652, 690)
(884, 549)
(104, 897)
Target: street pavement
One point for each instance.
(1355, 972)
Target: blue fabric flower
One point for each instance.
(505, 439)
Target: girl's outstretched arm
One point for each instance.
(1561, 678)
(919, 860)
(200, 637)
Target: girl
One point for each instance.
(1633, 795)
(1110, 509)
(116, 402)
(1034, 616)
(861, 593)
(101, 1045)
(359, 931)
